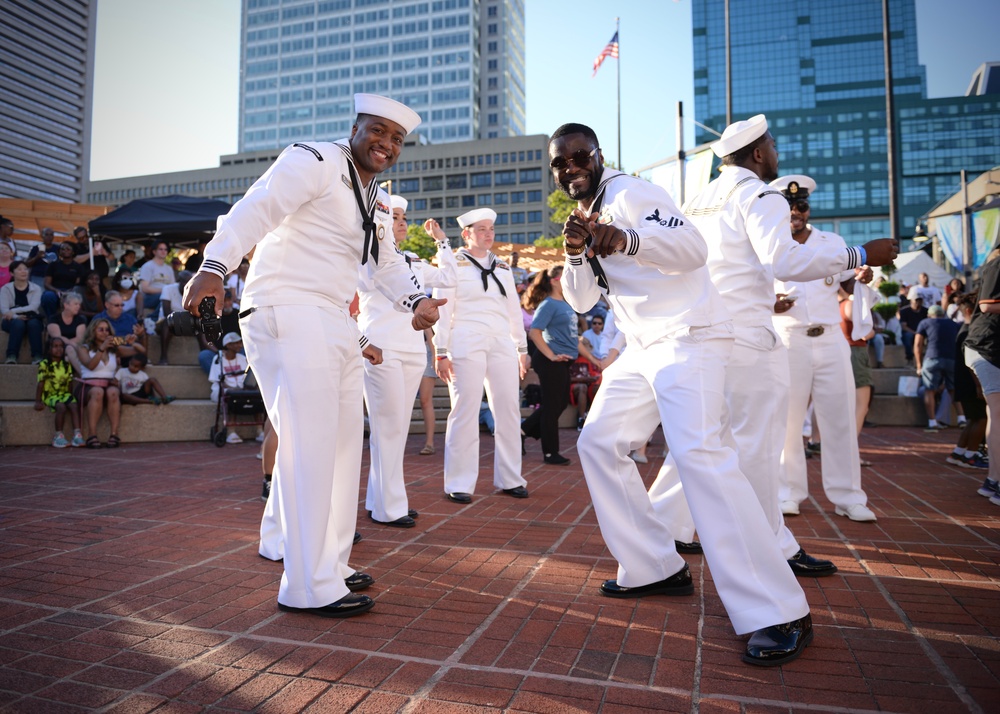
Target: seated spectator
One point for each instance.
(137, 387)
(55, 391)
(194, 260)
(171, 298)
(909, 317)
(934, 351)
(40, 256)
(6, 258)
(70, 325)
(593, 349)
(92, 292)
(124, 324)
(520, 274)
(20, 301)
(154, 275)
(127, 262)
(230, 321)
(126, 285)
(968, 395)
(98, 365)
(61, 277)
(486, 416)
(229, 368)
(7, 234)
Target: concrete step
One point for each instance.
(894, 357)
(184, 420)
(182, 350)
(886, 380)
(18, 382)
(888, 410)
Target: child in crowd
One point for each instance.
(55, 391)
(137, 387)
(229, 368)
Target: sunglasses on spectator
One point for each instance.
(801, 205)
(578, 158)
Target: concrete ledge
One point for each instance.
(897, 411)
(18, 382)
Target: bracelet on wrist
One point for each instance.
(571, 250)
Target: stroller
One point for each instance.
(236, 407)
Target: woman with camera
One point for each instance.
(98, 364)
(554, 334)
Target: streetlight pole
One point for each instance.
(890, 123)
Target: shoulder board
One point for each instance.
(501, 264)
(311, 150)
(460, 260)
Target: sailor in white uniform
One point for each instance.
(746, 226)
(391, 386)
(649, 262)
(313, 216)
(480, 339)
(819, 360)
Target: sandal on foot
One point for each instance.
(93, 442)
(427, 450)
(113, 442)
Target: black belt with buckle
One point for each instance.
(815, 331)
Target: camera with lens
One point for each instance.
(182, 323)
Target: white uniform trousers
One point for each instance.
(390, 391)
(476, 359)
(308, 365)
(679, 381)
(821, 366)
(757, 398)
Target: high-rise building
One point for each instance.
(458, 63)
(817, 71)
(46, 81)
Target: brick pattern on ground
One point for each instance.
(130, 582)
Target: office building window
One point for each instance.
(451, 202)
(468, 201)
(517, 217)
(420, 204)
(481, 180)
(484, 199)
(500, 198)
(501, 219)
(433, 183)
(531, 175)
(505, 178)
(517, 196)
(534, 195)
(534, 216)
(457, 181)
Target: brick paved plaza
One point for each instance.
(130, 582)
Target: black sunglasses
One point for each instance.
(801, 205)
(578, 158)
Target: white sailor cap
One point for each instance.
(398, 202)
(739, 134)
(386, 108)
(476, 215)
(795, 186)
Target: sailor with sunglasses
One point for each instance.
(629, 242)
(819, 359)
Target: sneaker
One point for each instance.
(962, 421)
(155, 400)
(995, 499)
(638, 458)
(167, 399)
(856, 512)
(976, 462)
(59, 441)
(11, 359)
(37, 360)
(265, 490)
(77, 440)
(814, 447)
(956, 459)
(989, 488)
(579, 423)
(260, 437)
(233, 438)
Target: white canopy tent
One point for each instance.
(910, 265)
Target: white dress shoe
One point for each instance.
(856, 512)
(790, 508)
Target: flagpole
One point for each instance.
(621, 164)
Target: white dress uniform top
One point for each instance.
(746, 226)
(679, 340)
(482, 333)
(820, 366)
(303, 347)
(391, 387)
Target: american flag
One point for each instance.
(610, 50)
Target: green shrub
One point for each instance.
(886, 310)
(889, 289)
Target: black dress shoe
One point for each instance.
(679, 583)
(804, 565)
(779, 644)
(359, 581)
(694, 547)
(401, 522)
(517, 492)
(523, 437)
(459, 497)
(347, 606)
(412, 514)
(357, 537)
(556, 459)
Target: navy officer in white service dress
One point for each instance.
(480, 341)
(627, 241)
(745, 223)
(391, 386)
(313, 216)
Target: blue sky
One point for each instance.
(166, 83)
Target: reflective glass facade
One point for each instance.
(816, 71)
(458, 63)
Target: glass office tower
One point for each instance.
(816, 70)
(458, 63)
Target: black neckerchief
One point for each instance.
(595, 264)
(488, 273)
(367, 214)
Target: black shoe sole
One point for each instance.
(803, 573)
(325, 613)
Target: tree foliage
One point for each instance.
(417, 241)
